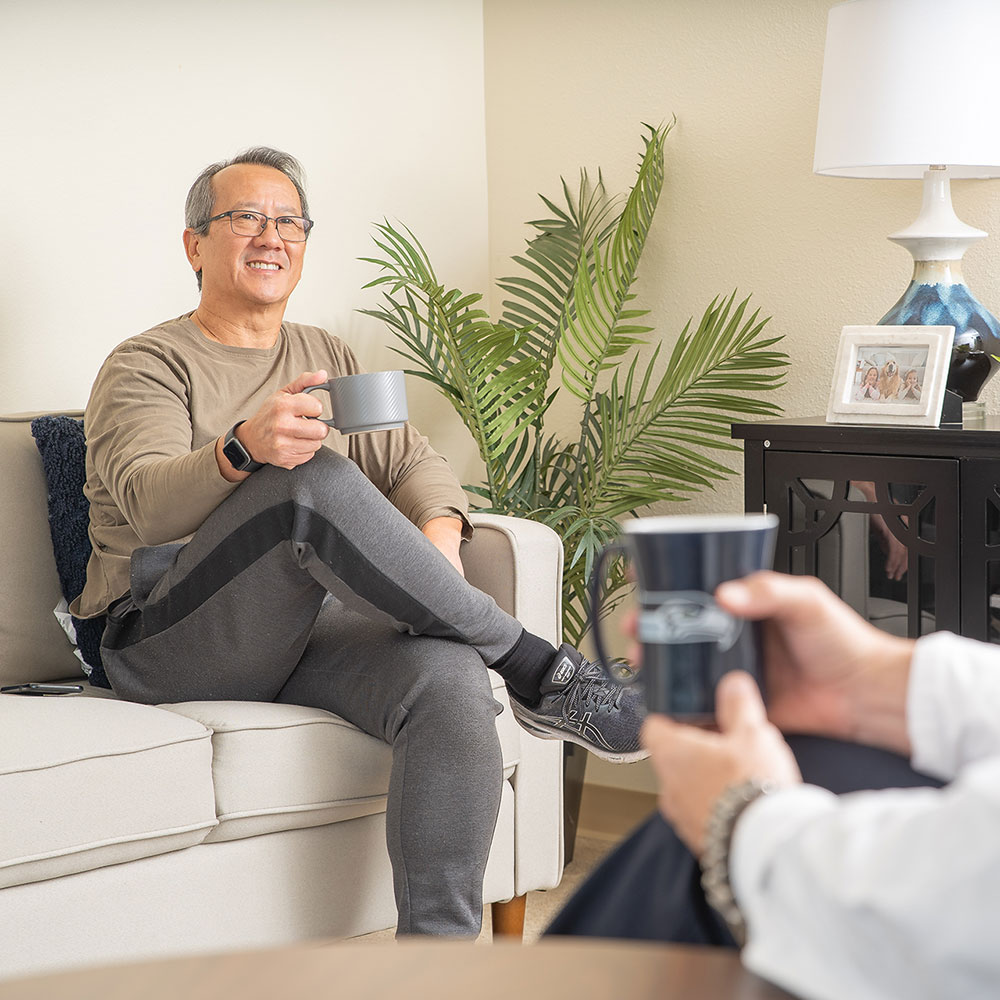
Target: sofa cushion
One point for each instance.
(88, 782)
(279, 767)
(33, 647)
(61, 443)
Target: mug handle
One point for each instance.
(322, 420)
(596, 579)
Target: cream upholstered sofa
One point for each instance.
(129, 831)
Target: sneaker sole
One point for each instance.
(545, 732)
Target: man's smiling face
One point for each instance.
(244, 272)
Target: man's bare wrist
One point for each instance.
(878, 698)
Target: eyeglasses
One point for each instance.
(290, 228)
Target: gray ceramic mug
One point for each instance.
(371, 401)
(688, 641)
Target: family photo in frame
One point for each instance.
(890, 375)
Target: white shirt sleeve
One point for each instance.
(953, 703)
(888, 893)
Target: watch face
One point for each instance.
(237, 455)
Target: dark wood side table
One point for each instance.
(841, 490)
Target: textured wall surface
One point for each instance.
(568, 83)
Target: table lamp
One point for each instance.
(911, 89)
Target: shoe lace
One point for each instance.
(593, 688)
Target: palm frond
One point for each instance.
(651, 438)
(600, 328)
(643, 437)
(479, 366)
(542, 298)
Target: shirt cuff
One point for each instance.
(467, 527)
(762, 831)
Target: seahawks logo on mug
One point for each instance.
(686, 616)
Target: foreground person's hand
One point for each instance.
(828, 671)
(694, 766)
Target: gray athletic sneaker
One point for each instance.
(579, 703)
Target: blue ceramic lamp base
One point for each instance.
(938, 297)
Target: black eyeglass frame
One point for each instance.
(307, 224)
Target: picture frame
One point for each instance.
(910, 365)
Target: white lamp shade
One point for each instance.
(910, 83)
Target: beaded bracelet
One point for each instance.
(727, 810)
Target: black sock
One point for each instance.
(524, 664)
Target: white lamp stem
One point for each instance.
(937, 233)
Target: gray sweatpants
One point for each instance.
(309, 587)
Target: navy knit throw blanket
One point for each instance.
(61, 443)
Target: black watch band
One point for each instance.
(238, 457)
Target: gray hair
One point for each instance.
(200, 204)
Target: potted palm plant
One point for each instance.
(569, 325)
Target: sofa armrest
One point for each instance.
(519, 563)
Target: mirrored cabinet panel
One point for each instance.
(902, 522)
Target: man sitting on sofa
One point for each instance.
(243, 552)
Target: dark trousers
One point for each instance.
(649, 887)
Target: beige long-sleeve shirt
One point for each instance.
(157, 407)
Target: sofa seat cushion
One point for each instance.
(280, 767)
(88, 782)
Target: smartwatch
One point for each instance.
(239, 458)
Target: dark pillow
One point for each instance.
(63, 448)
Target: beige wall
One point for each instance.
(110, 110)
(568, 83)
